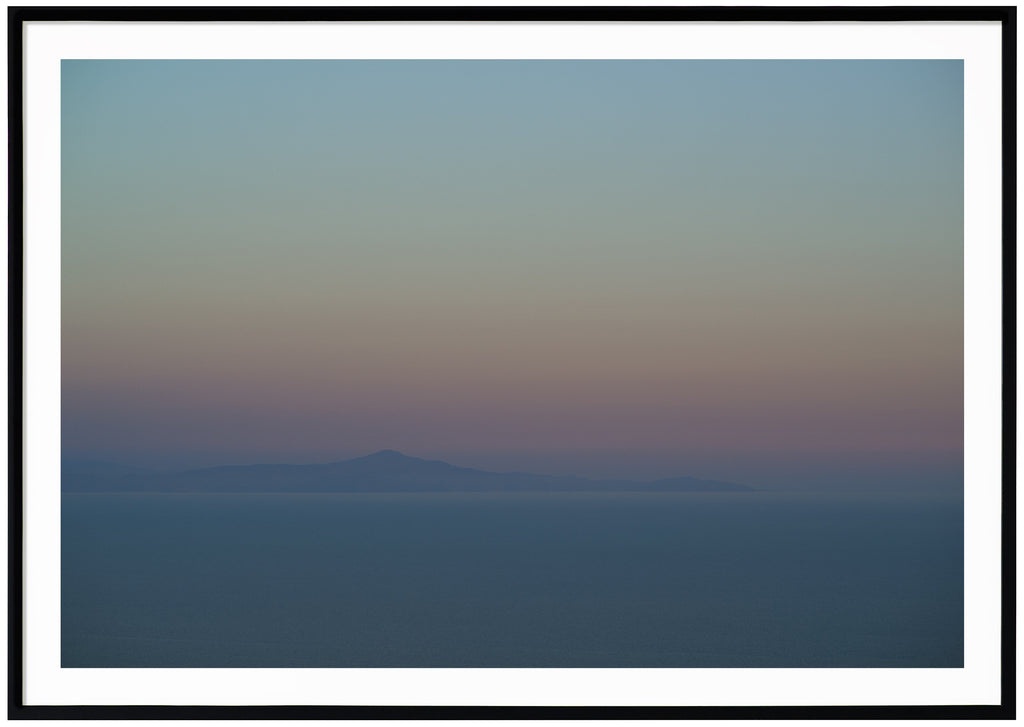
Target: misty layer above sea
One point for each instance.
(511, 580)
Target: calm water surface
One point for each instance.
(511, 580)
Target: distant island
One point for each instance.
(384, 471)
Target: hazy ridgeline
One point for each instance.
(384, 471)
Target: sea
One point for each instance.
(746, 579)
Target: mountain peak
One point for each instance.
(392, 454)
(386, 459)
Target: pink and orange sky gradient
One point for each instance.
(732, 269)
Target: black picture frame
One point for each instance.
(18, 16)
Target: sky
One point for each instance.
(731, 269)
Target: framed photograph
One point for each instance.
(536, 362)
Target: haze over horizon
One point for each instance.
(736, 270)
(901, 472)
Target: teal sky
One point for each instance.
(598, 267)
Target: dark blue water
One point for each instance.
(648, 580)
